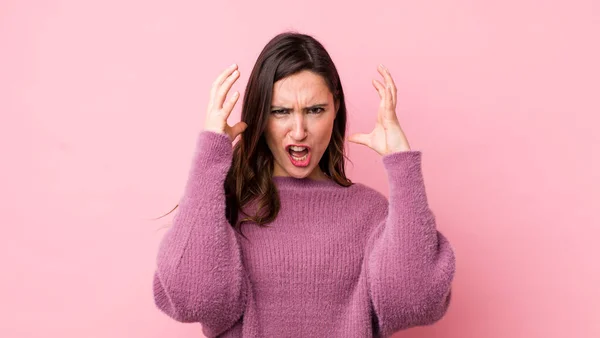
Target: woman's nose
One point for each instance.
(299, 127)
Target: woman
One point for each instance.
(319, 256)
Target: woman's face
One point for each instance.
(300, 124)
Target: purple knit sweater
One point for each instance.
(336, 262)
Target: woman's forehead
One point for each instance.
(304, 86)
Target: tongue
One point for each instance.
(298, 153)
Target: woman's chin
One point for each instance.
(296, 170)
(299, 173)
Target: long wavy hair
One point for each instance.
(249, 179)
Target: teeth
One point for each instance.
(300, 158)
(295, 148)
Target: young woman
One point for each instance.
(271, 239)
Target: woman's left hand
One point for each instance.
(387, 137)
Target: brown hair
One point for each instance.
(250, 176)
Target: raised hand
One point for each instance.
(219, 109)
(387, 136)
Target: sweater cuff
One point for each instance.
(403, 169)
(217, 146)
(402, 159)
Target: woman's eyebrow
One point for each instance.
(318, 105)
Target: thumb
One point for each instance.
(237, 129)
(360, 138)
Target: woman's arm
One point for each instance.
(199, 275)
(410, 265)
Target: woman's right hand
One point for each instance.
(219, 108)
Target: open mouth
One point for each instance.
(299, 155)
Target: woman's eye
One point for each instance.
(278, 111)
(316, 110)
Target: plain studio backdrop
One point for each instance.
(101, 103)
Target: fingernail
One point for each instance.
(233, 65)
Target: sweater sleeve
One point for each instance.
(200, 275)
(410, 264)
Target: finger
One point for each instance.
(388, 79)
(219, 80)
(389, 102)
(383, 94)
(229, 104)
(364, 139)
(224, 89)
(380, 88)
(237, 129)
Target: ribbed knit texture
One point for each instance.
(337, 261)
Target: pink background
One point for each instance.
(101, 103)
